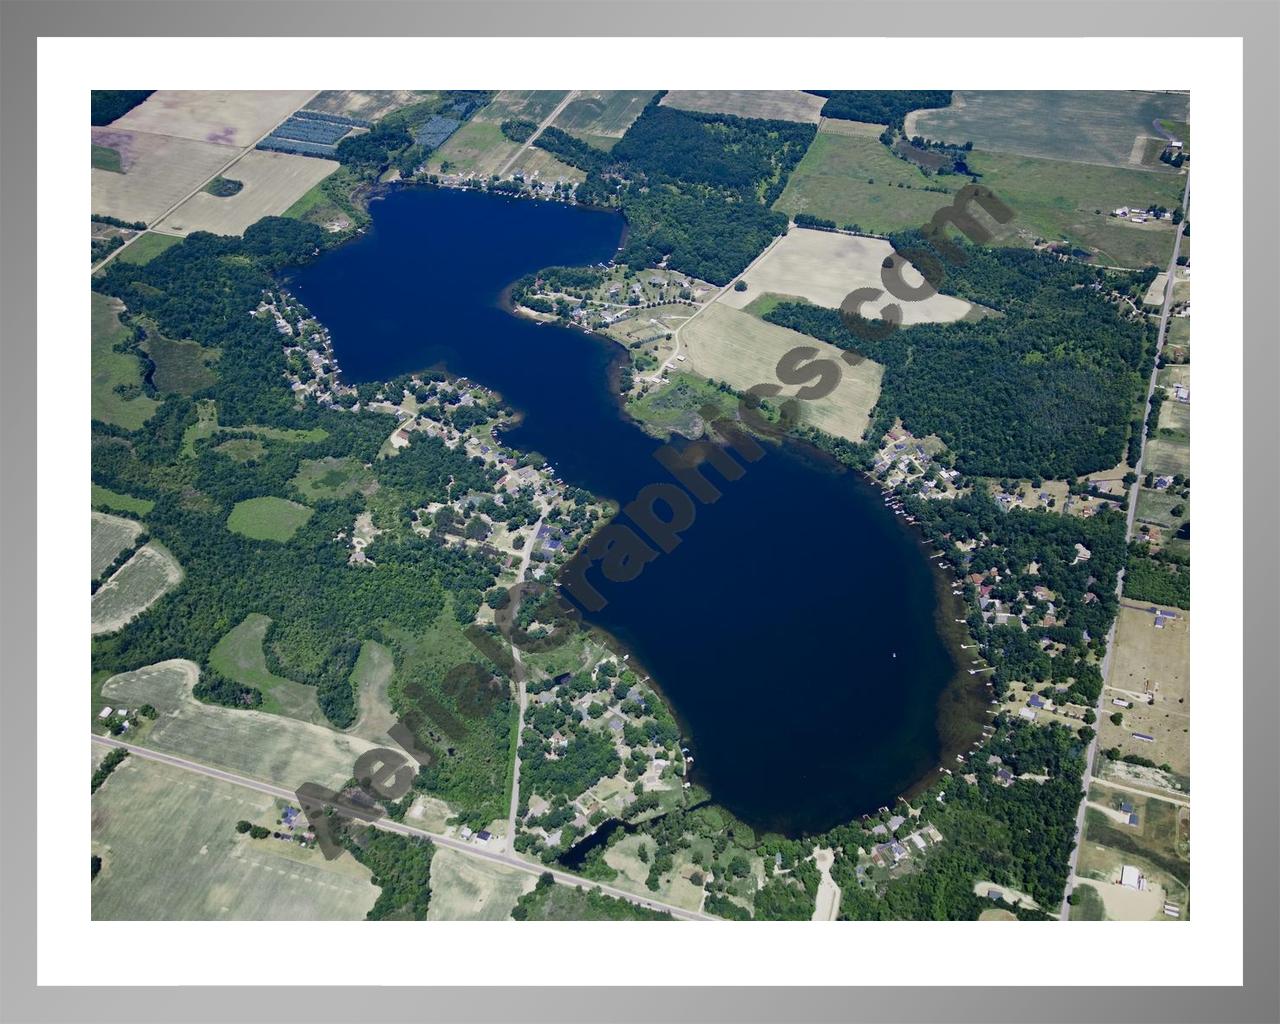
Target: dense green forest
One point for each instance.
(518, 129)
(106, 105)
(692, 186)
(884, 106)
(1045, 388)
(1158, 578)
(401, 867)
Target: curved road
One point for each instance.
(562, 877)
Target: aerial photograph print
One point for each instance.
(572, 505)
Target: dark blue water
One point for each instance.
(795, 630)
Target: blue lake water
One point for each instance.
(796, 630)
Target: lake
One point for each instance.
(797, 631)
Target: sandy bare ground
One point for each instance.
(771, 104)
(728, 344)
(272, 183)
(232, 117)
(1125, 904)
(158, 171)
(134, 588)
(827, 905)
(825, 266)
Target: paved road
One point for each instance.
(532, 138)
(522, 701)
(238, 154)
(470, 849)
(1091, 753)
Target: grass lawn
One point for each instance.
(103, 497)
(106, 159)
(116, 395)
(268, 518)
(1167, 457)
(147, 247)
(1156, 507)
(242, 449)
(1086, 904)
(170, 850)
(467, 888)
(238, 656)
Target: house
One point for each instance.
(879, 830)
(1004, 777)
(1133, 820)
(483, 836)
(1028, 714)
(896, 822)
(1036, 701)
(104, 714)
(1132, 877)
(994, 894)
(289, 815)
(1144, 737)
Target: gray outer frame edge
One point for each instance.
(23, 22)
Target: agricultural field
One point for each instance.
(538, 163)
(1100, 127)
(239, 656)
(249, 742)
(371, 678)
(470, 889)
(1150, 662)
(365, 104)
(157, 172)
(232, 117)
(523, 104)
(847, 176)
(331, 479)
(267, 518)
(602, 115)
(824, 266)
(104, 158)
(1156, 507)
(850, 178)
(273, 182)
(1055, 200)
(116, 395)
(476, 150)
(147, 247)
(134, 587)
(1167, 456)
(104, 497)
(768, 104)
(181, 367)
(733, 346)
(170, 851)
(110, 535)
(1175, 419)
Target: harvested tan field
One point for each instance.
(158, 171)
(770, 104)
(134, 587)
(730, 345)
(236, 117)
(824, 266)
(366, 104)
(273, 182)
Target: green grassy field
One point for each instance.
(171, 852)
(1167, 457)
(105, 158)
(1085, 126)
(1053, 199)
(371, 677)
(103, 497)
(257, 744)
(677, 405)
(527, 104)
(477, 149)
(238, 656)
(853, 179)
(267, 518)
(242, 449)
(147, 247)
(116, 395)
(330, 479)
(762, 305)
(1155, 507)
(110, 536)
(1087, 904)
(182, 367)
